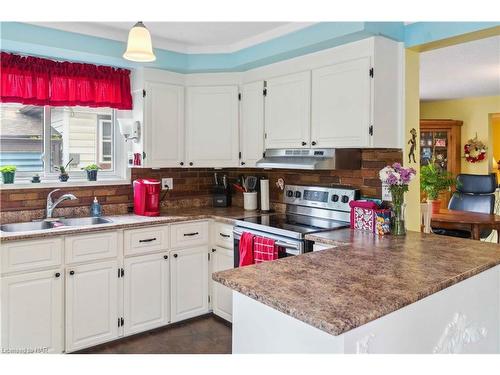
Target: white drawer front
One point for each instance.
(223, 235)
(29, 255)
(146, 240)
(93, 246)
(189, 234)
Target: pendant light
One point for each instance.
(139, 46)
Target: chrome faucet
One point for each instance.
(51, 205)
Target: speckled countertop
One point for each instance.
(225, 215)
(364, 278)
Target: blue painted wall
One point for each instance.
(42, 41)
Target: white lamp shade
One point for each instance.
(139, 46)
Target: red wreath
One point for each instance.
(475, 151)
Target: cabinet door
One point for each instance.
(251, 123)
(212, 126)
(91, 304)
(32, 311)
(147, 293)
(287, 111)
(189, 282)
(341, 105)
(164, 125)
(223, 259)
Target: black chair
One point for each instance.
(475, 193)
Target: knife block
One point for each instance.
(221, 196)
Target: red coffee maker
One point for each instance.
(147, 197)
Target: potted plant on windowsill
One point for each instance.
(92, 171)
(434, 181)
(8, 174)
(63, 173)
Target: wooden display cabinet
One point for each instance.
(441, 138)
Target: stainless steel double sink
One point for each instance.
(53, 224)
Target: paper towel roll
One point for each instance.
(264, 195)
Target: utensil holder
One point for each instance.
(250, 201)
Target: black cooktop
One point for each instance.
(301, 224)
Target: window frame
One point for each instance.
(119, 174)
(101, 141)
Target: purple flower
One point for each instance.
(392, 179)
(397, 166)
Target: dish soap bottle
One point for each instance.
(95, 208)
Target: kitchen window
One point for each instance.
(38, 139)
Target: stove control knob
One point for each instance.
(298, 194)
(335, 198)
(345, 199)
(289, 193)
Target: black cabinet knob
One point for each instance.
(214, 250)
(165, 257)
(57, 274)
(181, 163)
(304, 143)
(71, 272)
(175, 255)
(242, 163)
(191, 163)
(313, 143)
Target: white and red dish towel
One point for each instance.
(255, 249)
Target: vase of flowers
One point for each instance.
(397, 178)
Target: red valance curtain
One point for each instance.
(38, 81)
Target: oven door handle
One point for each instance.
(290, 248)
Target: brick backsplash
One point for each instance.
(192, 187)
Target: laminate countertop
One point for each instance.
(364, 278)
(226, 215)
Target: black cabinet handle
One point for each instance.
(224, 235)
(191, 163)
(148, 240)
(181, 163)
(191, 234)
(121, 322)
(165, 257)
(71, 273)
(242, 163)
(175, 255)
(57, 274)
(304, 143)
(313, 143)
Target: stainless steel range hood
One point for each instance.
(312, 159)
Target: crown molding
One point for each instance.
(102, 31)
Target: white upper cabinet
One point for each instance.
(212, 126)
(163, 125)
(341, 105)
(251, 123)
(287, 111)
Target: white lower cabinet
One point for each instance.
(222, 259)
(32, 311)
(189, 282)
(91, 304)
(146, 292)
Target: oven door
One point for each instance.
(291, 246)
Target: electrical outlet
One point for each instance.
(167, 184)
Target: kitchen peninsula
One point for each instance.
(415, 294)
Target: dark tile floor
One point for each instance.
(204, 335)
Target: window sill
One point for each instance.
(27, 184)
